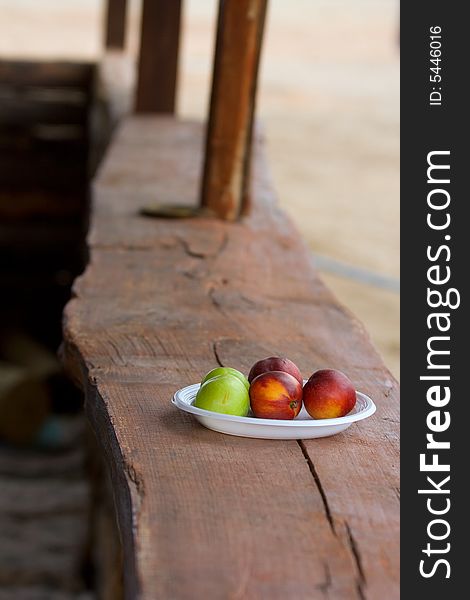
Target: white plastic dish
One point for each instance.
(303, 427)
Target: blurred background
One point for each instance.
(329, 101)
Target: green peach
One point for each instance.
(224, 394)
(226, 371)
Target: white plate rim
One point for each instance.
(368, 411)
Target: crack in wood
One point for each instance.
(251, 302)
(235, 298)
(213, 299)
(136, 479)
(325, 585)
(203, 254)
(223, 244)
(189, 251)
(129, 247)
(361, 580)
(216, 354)
(194, 274)
(316, 478)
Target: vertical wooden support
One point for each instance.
(229, 132)
(158, 61)
(115, 34)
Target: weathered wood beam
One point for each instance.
(229, 132)
(204, 515)
(115, 33)
(158, 60)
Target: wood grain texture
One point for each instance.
(115, 24)
(229, 132)
(158, 58)
(205, 515)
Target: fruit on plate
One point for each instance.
(275, 395)
(275, 363)
(224, 394)
(329, 394)
(226, 371)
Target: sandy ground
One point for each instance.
(329, 98)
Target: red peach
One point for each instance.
(329, 394)
(275, 395)
(275, 363)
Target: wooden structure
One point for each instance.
(158, 60)
(45, 145)
(203, 515)
(115, 28)
(229, 131)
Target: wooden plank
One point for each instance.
(115, 24)
(46, 73)
(203, 515)
(158, 59)
(20, 111)
(26, 204)
(228, 141)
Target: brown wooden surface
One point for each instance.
(49, 73)
(204, 515)
(229, 132)
(158, 58)
(115, 24)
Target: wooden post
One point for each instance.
(158, 61)
(116, 24)
(229, 132)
